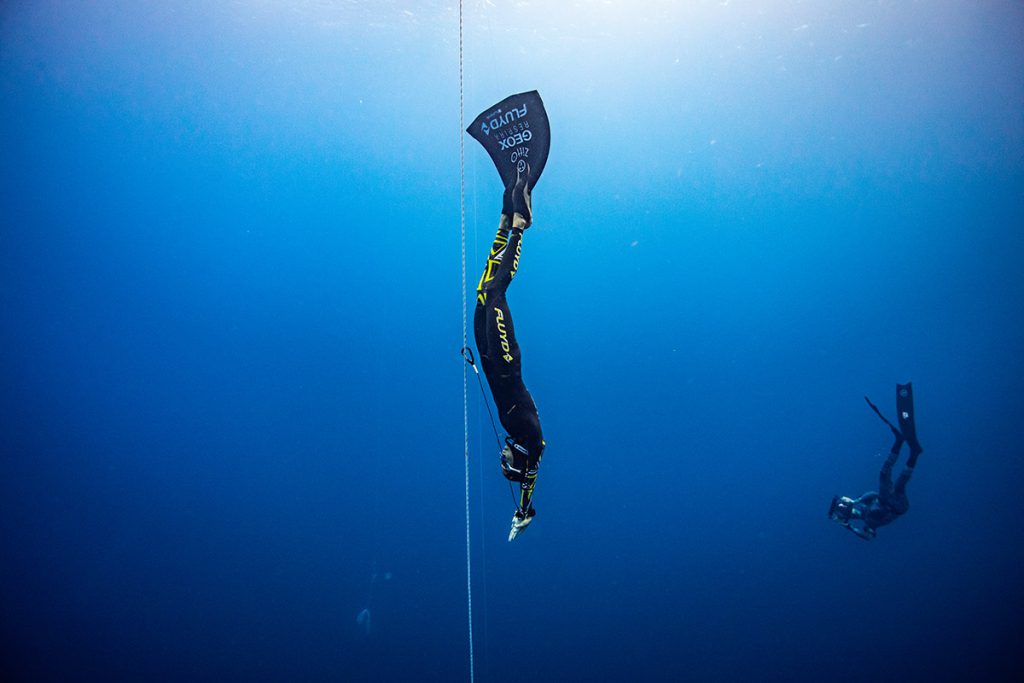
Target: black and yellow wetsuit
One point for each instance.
(501, 358)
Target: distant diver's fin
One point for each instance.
(363, 620)
(515, 132)
(905, 415)
(880, 416)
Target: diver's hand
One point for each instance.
(520, 522)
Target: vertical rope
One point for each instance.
(465, 392)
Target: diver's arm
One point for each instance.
(866, 500)
(524, 510)
(526, 490)
(522, 518)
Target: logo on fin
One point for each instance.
(497, 120)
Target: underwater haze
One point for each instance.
(231, 293)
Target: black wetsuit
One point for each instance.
(501, 359)
(875, 509)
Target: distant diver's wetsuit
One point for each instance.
(500, 355)
(864, 515)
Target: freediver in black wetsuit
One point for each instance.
(865, 514)
(500, 355)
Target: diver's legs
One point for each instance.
(490, 279)
(494, 330)
(489, 282)
(502, 347)
(885, 487)
(898, 443)
(495, 279)
(904, 479)
(515, 217)
(499, 350)
(503, 367)
(502, 263)
(491, 306)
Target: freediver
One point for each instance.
(865, 514)
(516, 134)
(500, 354)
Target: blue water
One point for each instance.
(230, 315)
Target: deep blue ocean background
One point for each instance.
(230, 314)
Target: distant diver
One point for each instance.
(363, 621)
(864, 515)
(516, 135)
(364, 617)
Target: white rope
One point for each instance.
(465, 392)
